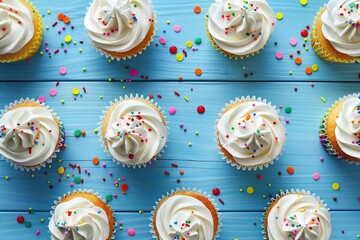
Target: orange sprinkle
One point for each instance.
(66, 20)
(198, 72)
(95, 161)
(308, 70)
(298, 61)
(290, 170)
(61, 17)
(291, 55)
(197, 9)
(248, 117)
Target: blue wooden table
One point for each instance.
(158, 75)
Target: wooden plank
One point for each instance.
(235, 225)
(158, 63)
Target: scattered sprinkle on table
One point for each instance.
(288, 109)
(52, 92)
(298, 61)
(198, 71)
(316, 176)
(335, 186)
(279, 16)
(290, 170)
(179, 57)
(177, 28)
(131, 232)
(162, 40)
(279, 55)
(197, 9)
(42, 99)
(77, 133)
(303, 2)
(315, 67)
(250, 190)
(293, 42)
(76, 91)
(216, 191)
(63, 70)
(200, 109)
(172, 110)
(308, 70)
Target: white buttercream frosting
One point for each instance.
(252, 132)
(136, 132)
(298, 217)
(184, 217)
(28, 135)
(347, 129)
(241, 27)
(16, 26)
(118, 25)
(341, 26)
(79, 219)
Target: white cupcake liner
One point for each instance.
(90, 191)
(59, 144)
(223, 156)
(107, 55)
(151, 225)
(282, 194)
(126, 97)
(324, 140)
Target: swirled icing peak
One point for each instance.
(16, 26)
(184, 217)
(252, 132)
(118, 25)
(79, 219)
(347, 129)
(136, 132)
(341, 26)
(241, 27)
(298, 217)
(28, 135)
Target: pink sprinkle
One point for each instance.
(177, 28)
(162, 40)
(293, 42)
(321, 159)
(279, 55)
(42, 99)
(133, 73)
(287, 120)
(63, 70)
(280, 106)
(52, 92)
(37, 232)
(172, 110)
(316, 176)
(131, 232)
(110, 173)
(104, 164)
(114, 195)
(71, 184)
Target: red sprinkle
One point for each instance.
(54, 24)
(216, 191)
(20, 219)
(84, 89)
(159, 96)
(167, 173)
(56, 51)
(173, 49)
(201, 109)
(177, 94)
(304, 33)
(174, 165)
(124, 187)
(220, 200)
(79, 169)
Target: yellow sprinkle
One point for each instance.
(315, 67)
(179, 57)
(80, 50)
(323, 99)
(190, 144)
(84, 69)
(124, 87)
(335, 186)
(68, 39)
(48, 12)
(290, 72)
(307, 48)
(7, 177)
(250, 190)
(279, 16)
(41, 53)
(197, 132)
(62, 101)
(47, 27)
(101, 97)
(109, 60)
(76, 91)
(74, 42)
(186, 98)
(168, 21)
(68, 175)
(61, 170)
(189, 44)
(241, 190)
(305, 39)
(303, 2)
(243, 67)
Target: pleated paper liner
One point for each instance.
(33, 45)
(273, 201)
(93, 197)
(107, 112)
(322, 47)
(27, 102)
(330, 145)
(203, 197)
(226, 155)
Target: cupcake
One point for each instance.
(335, 36)
(120, 28)
(30, 134)
(239, 28)
(133, 130)
(20, 30)
(81, 215)
(185, 214)
(340, 129)
(250, 133)
(297, 215)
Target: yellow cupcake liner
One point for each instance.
(59, 144)
(33, 45)
(322, 52)
(89, 191)
(324, 140)
(151, 103)
(137, 50)
(282, 194)
(228, 54)
(177, 191)
(216, 132)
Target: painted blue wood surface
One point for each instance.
(203, 166)
(158, 63)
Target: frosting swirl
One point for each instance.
(296, 217)
(79, 219)
(341, 26)
(241, 27)
(28, 135)
(184, 217)
(347, 129)
(252, 132)
(16, 26)
(135, 133)
(118, 25)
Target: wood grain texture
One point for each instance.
(158, 64)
